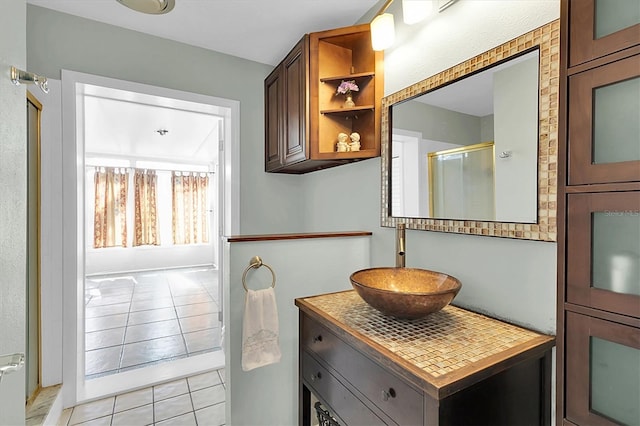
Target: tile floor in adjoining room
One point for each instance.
(194, 401)
(134, 320)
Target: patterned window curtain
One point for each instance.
(146, 215)
(190, 201)
(110, 217)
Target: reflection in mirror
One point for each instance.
(462, 182)
(539, 226)
(469, 150)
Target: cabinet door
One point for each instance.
(600, 27)
(603, 372)
(273, 120)
(294, 70)
(603, 251)
(604, 130)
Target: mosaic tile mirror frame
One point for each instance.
(547, 38)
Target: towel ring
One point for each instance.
(255, 263)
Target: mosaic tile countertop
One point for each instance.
(439, 344)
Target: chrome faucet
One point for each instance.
(400, 245)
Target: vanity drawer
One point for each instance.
(350, 409)
(392, 395)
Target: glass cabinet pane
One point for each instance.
(616, 126)
(603, 246)
(616, 251)
(602, 370)
(604, 130)
(615, 381)
(613, 16)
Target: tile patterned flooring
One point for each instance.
(134, 320)
(195, 401)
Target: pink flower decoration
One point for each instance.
(347, 87)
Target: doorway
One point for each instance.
(89, 103)
(33, 342)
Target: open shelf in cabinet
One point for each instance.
(358, 120)
(348, 112)
(346, 57)
(348, 77)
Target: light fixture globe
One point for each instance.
(382, 31)
(154, 7)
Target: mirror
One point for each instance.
(473, 149)
(469, 150)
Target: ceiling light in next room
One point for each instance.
(155, 7)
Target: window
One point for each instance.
(165, 204)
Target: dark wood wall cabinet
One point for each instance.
(455, 367)
(598, 364)
(303, 113)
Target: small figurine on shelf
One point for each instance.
(355, 142)
(342, 145)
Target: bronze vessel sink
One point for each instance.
(407, 293)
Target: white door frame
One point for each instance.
(75, 389)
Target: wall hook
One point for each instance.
(11, 363)
(23, 77)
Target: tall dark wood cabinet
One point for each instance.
(303, 114)
(598, 368)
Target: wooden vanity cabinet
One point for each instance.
(361, 383)
(303, 114)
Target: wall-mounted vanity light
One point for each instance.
(19, 77)
(383, 31)
(413, 11)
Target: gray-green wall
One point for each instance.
(13, 206)
(438, 124)
(268, 203)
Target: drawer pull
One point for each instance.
(318, 338)
(386, 394)
(316, 376)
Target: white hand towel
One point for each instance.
(260, 330)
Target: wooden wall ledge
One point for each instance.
(273, 237)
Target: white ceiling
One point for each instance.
(125, 126)
(259, 30)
